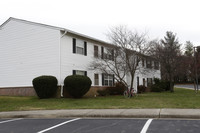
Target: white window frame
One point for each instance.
(78, 72)
(80, 47)
(108, 80)
(96, 80)
(108, 55)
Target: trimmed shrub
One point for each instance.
(165, 85)
(45, 86)
(156, 88)
(118, 89)
(141, 88)
(156, 81)
(77, 85)
(160, 85)
(103, 92)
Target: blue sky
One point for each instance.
(95, 17)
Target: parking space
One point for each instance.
(28, 125)
(174, 126)
(102, 125)
(76, 125)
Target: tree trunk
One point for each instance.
(195, 86)
(171, 83)
(171, 86)
(132, 79)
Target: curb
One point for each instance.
(106, 113)
(180, 113)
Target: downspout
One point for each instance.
(61, 84)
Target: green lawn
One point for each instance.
(181, 98)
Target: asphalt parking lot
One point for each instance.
(98, 125)
(187, 86)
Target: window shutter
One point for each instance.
(113, 79)
(85, 48)
(102, 52)
(138, 81)
(74, 72)
(85, 73)
(102, 79)
(74, 45)
(112, 54)
(95, 51)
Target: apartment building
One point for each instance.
(29, 49)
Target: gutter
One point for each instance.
(61, 85)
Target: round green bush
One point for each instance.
(77, 85)
(45, 86)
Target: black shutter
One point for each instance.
(96, 51)
(85, 48)
(74, 45)
(85, 73)
(113, 79)
(74, 72)
(112, 54)
(102, 79)
(102, 52)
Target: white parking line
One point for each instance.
(10, 120)
(58, 125)
(146, 126)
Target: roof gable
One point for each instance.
(55, 28)
(29, 22)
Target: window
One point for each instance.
(149, 82)
(96, 79)
(96, 53)
(107, 79)
(107, 54)
(79, 72)
(149, 64)
(79, 47)
(143, 62)
(156, 65)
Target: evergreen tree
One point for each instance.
(189, 48)
(170, 57)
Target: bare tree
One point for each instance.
(123, 57)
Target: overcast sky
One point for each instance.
(94, 17)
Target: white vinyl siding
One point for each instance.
(72, 61)
(27, 51)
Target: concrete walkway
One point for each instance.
(107, 113)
